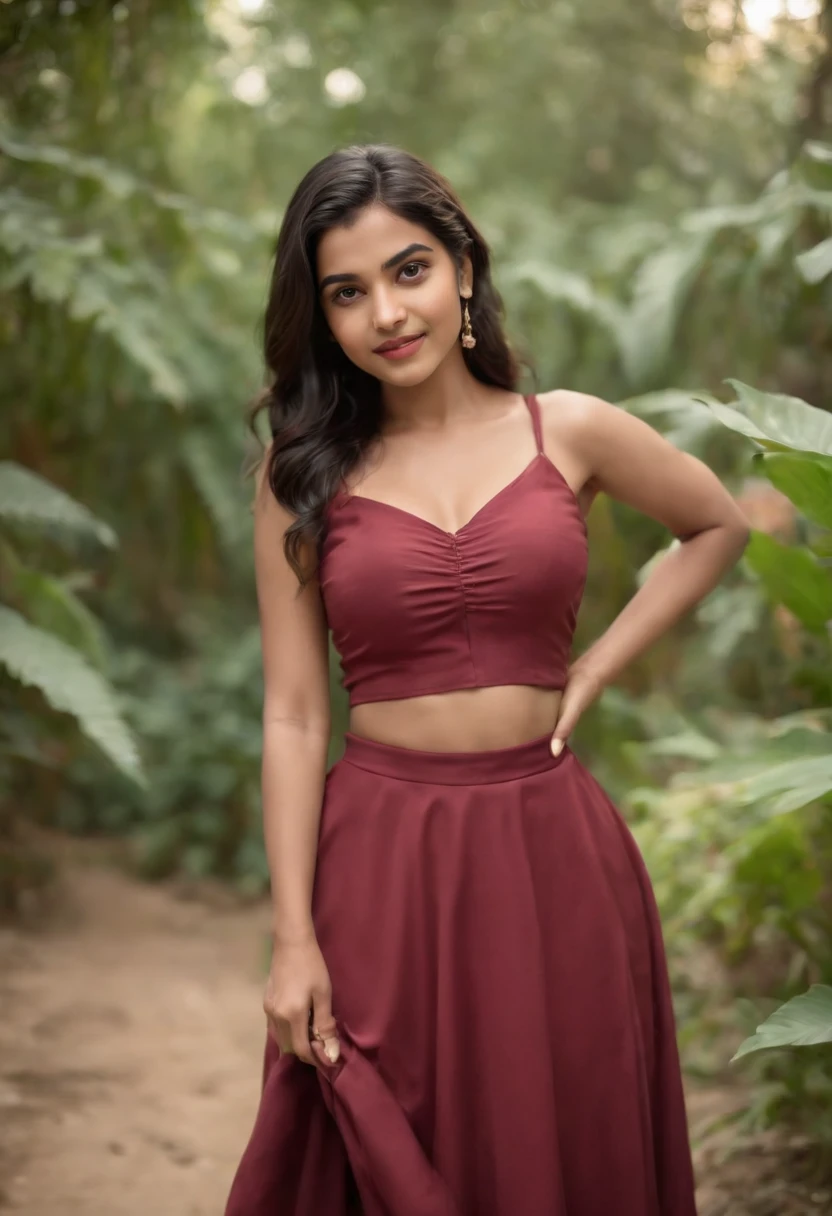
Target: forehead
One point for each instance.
(375, 235)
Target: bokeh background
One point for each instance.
(655, 179)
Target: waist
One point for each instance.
(452, 767)
(467, 720)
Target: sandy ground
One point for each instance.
(130, 1044)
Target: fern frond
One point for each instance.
(122, 184)
(70, 685)
(51, 604)
(26, 498)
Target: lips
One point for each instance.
(396, 343)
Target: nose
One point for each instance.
(388, 310)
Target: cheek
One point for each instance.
(438, 306)
(348, 325)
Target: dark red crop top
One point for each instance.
(416, 610)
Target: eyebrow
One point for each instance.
(388, 265)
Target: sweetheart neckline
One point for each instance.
(389, 506)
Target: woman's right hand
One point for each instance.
(298, 1001)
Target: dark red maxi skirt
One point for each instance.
(500, 987)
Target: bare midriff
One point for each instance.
(468, 720)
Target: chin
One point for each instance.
(405, 377)
(410, 373)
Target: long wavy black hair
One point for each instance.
(323, 410)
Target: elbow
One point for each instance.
(289, 741)
(302, 718)
(737, 535)
(739, 529)
(303, 726)
(734, 535)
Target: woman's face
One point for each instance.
(390, 293)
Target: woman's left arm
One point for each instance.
(631, 462)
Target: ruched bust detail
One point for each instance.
(416, 610)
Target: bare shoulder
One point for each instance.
(621, 455)
(572, 423)
(292, 619)
(575, 418)
(597, 432)
(271, 522)
(269, 513)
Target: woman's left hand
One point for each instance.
(582, 688)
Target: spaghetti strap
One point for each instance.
(534, 409)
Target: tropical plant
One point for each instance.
(739, 839)
(797, 459)
(53, 655)
(804, 1021)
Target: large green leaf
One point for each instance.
(660, 289)
(774, 420)
(803, 477)
(29, 499)
(790, 786)
(764, 779)
(793, 577)
(70, 685)
(804, 1021)
(816, 263)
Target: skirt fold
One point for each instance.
(500, 987)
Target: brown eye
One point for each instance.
(342, 297)
(412, 270)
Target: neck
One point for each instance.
(448, 395)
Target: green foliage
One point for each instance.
(52, 644)
(798, 580)
(51, 653)
(725, 289)
(68, 684)
(793, 577)
(804, 1021)
(775, 421)
(27, 499)
(200, 727)
(740, 846)
(728, 860)
(132, 304)
(804, 478)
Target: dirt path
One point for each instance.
(130, 1044)
(130, 1047)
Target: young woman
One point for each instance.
(468, 1003)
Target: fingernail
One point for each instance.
(332, 1051)
(557, 747)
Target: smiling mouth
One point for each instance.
(397, 344)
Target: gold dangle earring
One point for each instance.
(468, 340)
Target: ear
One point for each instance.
(465, 277)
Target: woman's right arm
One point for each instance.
(296, 731)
